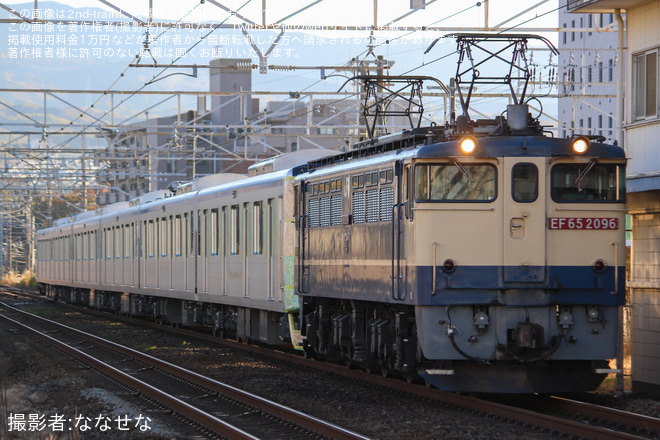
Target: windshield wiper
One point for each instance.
(582, 174)
(463, 171)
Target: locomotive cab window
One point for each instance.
(525, 182)
(588, 182)
(455, 182)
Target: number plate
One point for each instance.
(582, 223)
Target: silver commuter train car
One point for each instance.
(218, 251)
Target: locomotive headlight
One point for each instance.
(468, 144)
(581, 144)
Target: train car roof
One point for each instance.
(520, 146)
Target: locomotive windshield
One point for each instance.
(588, 182)
(455, 182)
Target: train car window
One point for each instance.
(357, 181)
(588, 182)
(92, 245)
(335, 210)
(109, 241)
(224, 231)
(455, 182)
(214, 232)
(386, 204)
(133, 240)
(271, 227)
(177, 239)
(313, 213)
(325, 211)
(163, 237)
(202, 246)
(190, 234)
(246, 227)
(128, 240)
(386, 176)
(234, 231)
(150, 239)
(156, 239)
(119, 242)
(258, 228)
(371, 206)
(525, 182)
(358, 207)
(85, 246)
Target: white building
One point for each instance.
(642, 124)
(588, 67)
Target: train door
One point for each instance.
(223, 234)
(246, 244)
(524, 244)
(202, 233)
(302, 269)
(188, 246)
(273, 237)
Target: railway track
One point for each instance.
(219, 409)
(579, 419)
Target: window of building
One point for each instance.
(573, 33)
(645, 84)
(326, 131)
(581, 26)
(610, 70)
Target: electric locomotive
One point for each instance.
(482, 255)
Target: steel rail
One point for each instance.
(497, 409)
(638, 421)
(204, 419)
(296, 417)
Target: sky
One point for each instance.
(304, 43)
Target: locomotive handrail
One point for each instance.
(396, 251)
(301, 258)
(434, 245)
(616, 269)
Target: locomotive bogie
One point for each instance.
(499, 333)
